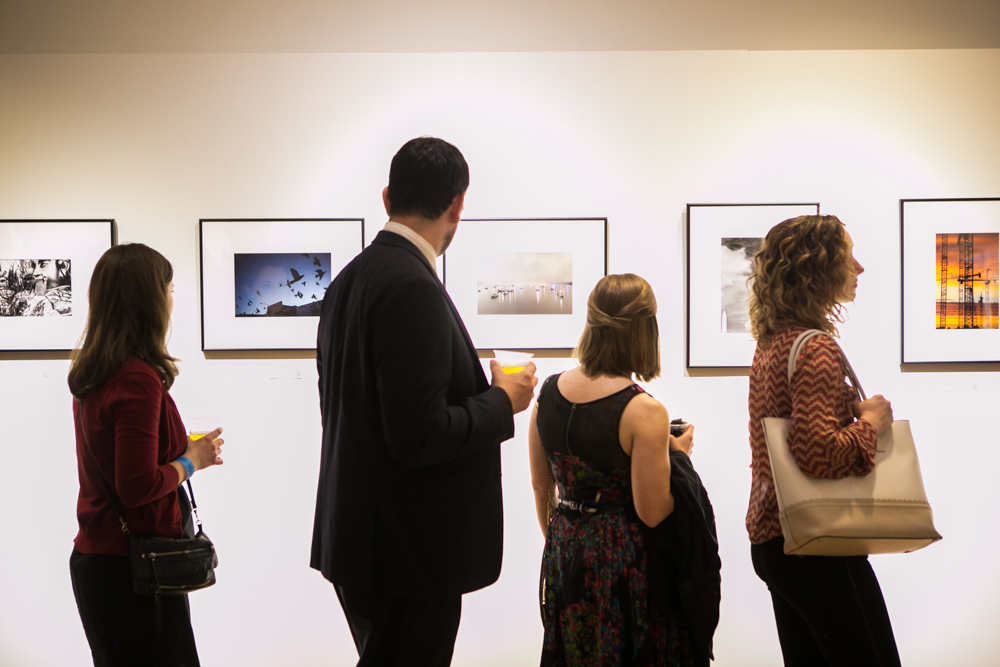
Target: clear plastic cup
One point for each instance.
(199, 427)
(512, 362)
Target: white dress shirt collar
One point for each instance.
(425, 248)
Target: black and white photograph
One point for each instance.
(36, 287)
(526, 283)
(263, 280)
(737, 266)
(950, 256)
(280, 284)
(722, 240)
(45, 269)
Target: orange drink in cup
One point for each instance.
(512, 362)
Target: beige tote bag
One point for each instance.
(883, 512)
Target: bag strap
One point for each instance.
(107, 487)
(104, 482)
(800, 343)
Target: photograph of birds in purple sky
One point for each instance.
(280, 284)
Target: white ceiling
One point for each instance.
(320, 26)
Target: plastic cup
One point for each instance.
(512, 362)
(199, 427)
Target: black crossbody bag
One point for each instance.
(164, 565)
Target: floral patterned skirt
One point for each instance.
(594, 594)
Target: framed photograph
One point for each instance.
(949, 256)
(45, 269)
(263, 281)
(722, 240)
(524, 284)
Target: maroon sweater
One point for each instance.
(134, 431)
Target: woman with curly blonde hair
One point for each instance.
(829, 610)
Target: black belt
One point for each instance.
(590, 506)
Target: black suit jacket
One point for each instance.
(409, 499)
(684, 566)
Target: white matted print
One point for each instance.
(524, 284)
(263, 281)
(722, 240)
(949, 252)
(45, 270)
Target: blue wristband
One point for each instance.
(188, 466)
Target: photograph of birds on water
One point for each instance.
(526, 283)
(280, 284)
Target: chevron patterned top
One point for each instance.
(825, 439)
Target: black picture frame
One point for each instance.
(942, 330)
(585, 239)
(711, 288)
(78, 241)
(223, 242)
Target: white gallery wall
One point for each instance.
(158, 141)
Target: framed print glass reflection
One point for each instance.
(524, 284)
(949, 256)
(722, 240)
(45, 270)
(263, 281)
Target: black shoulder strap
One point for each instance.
(104, 482)
(107, 487)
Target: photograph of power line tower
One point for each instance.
(967, 274)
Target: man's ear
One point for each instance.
(455, 210)
(385, 199)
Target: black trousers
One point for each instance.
(390, 631)
(120, 625)
(829, 610)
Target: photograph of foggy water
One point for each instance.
(526, 283)
(737, 265)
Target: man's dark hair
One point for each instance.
(425, 177)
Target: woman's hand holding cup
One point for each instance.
(205, 450)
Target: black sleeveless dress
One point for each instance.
(594, 589)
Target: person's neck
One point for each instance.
(424, 227)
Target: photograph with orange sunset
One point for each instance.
(967, 274)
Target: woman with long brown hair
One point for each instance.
(829, 610)
(129, 432)
(606, 443)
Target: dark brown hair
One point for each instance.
(129, 318)
(621, 336)
(425, 176)
(799, 274)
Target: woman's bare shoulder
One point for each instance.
(645, 410)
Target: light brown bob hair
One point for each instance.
(129, 318)
(799, 274)
(621, 336)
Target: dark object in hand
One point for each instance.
(677, 427)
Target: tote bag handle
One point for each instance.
(800, 343)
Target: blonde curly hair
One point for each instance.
(799, 276)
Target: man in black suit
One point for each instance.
(409, 514)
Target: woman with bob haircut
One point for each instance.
(829, 610)
(128, 430)
(605, 443)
